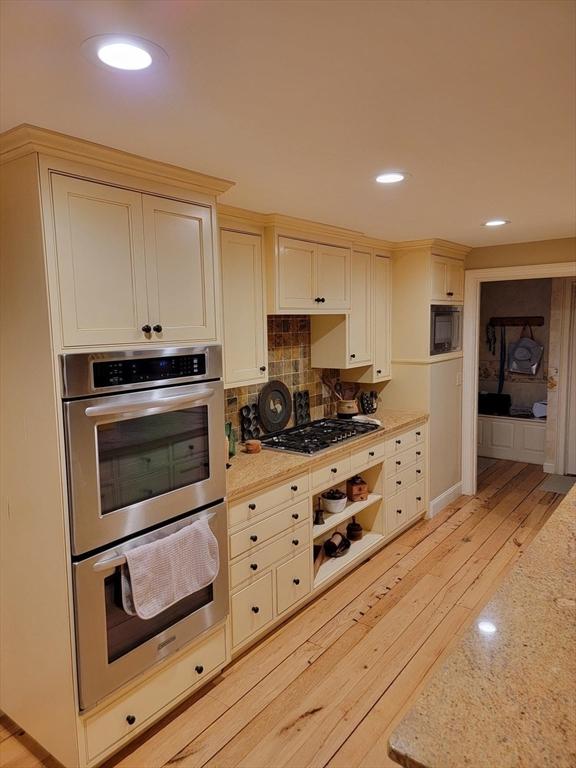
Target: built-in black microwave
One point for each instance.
(445, 329)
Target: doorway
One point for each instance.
(473, 282)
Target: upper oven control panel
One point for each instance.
(98, 373)
(115, 372)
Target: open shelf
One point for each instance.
(357, 549)
(333, 519)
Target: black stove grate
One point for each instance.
(317, 435)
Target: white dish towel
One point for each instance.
(161, 573)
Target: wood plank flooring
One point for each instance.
(329, 685)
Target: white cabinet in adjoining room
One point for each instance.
(245, 342)
(132, 268)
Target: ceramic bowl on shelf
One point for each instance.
(334, 501)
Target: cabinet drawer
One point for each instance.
(251, 608)
(400, 461)
(110, 725)
(331, 474)
(134, 466)
(293, 581)
(368, 456)
(287, 519)
(404, 479)
(251, 507)
(396, 511)
(416, 499)
(252, 566)
(405, 440)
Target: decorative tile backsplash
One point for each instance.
(289, 362)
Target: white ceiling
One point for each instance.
(303, 102)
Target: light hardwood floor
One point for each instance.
(329, 685)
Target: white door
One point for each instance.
(382, 314)
(101, 263)
(245, 357)
(333, 277)
(296, 275)
(180, 270)
(360, 319)
(570, 465)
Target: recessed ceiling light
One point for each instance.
(496, 222)
(391, 177)
(123, 51)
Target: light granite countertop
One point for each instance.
(253, 472)
(506, 698)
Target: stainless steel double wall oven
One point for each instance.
(144, 435)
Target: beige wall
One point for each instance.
(515, 254)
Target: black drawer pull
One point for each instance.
(418, 498)
(449, 293)
(295, 542)
(157, 328)
(262, 368)
(398, 482)
(254, 566)
(199, 668)
(295, 515)
(253, 537)
(398, 511)
(398, 462)
(418, 471)
(296, 581)
(317, 299)
(352, 357)
(322, 300)
(371, 453)
(294, 488)
(379, 371)
(418, 434)
(334, 470)
(252, 506)
(418, 453)
(145, 329)
(255, 609)
(398, 442)
(130, 719)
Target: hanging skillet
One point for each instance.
(274, 406)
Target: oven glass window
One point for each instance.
(151, 455)
(124, 633)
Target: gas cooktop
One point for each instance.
(317, 435)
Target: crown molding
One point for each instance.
(241, 215)
(296, 226)
(26, 139)
(437, 246)
(373, 242)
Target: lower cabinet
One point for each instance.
(252, 608)
(293, 581)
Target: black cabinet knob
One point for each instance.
(157, 328)
(322, 299)
(418, 434)
(398, 463)
(371, 453)
(252, 506)
(334, 470)
(296, 581)
(255, 609)
(199, 668)
(449, 293)
(418, 471)
(418, 453)
(146, 328)
(398, 482)
(293, 487)
(295, 542)
(254, 566)
(317, 299)
(418, 498)
(130, 719)
(352, 357)
(379, 371)
(262, 368)
(253, 537)
(398, 442)
(295, 515)
(398, 511)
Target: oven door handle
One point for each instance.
(113, 562)
(156, 405)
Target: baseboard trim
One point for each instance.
(438, 504)
(549, 468)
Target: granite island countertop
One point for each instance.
(253, 472)
(506, 696)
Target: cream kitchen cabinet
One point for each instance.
(245, 336)
(447, 280)
(307, 277)
(131, 267)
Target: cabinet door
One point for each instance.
(101, 263)
(360, 320)
(333, 277)
(179, 269)
(296, 275)
(244, 319)
(382, 315)
(455, 280)
(438, 279)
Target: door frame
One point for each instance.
(472, 284)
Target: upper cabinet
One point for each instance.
(306, 277)
(360, 325)
(245, 337)
(132, 267)
(447, 277)
(381, 368)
